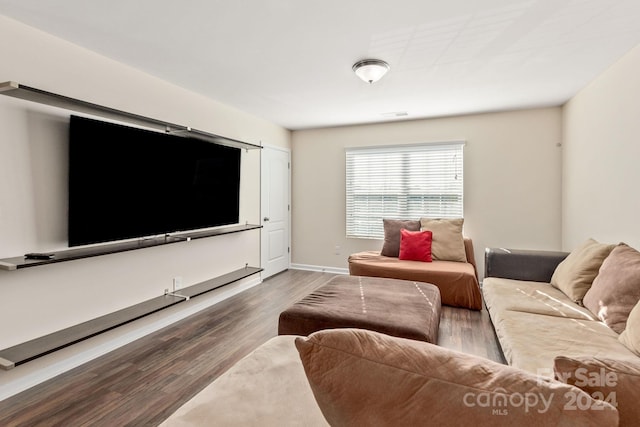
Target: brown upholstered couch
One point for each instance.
(269, 387)
(533, 321)
(457, 281)
(543, 331)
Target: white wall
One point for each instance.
(512, 178)
(601, 172)
(33, 164)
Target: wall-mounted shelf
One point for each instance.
(22, 353)
(16, 90)
(38, 347)
(112, 248)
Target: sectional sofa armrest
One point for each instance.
(518, 264)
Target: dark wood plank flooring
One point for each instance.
(144, 382)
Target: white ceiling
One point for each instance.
(289, 61)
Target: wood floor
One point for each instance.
(144, 382)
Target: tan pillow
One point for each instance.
(630, 337)
(364, 378)
(392, 227)
(613, 381)
(575, 274)
(447, 243)
(616, 288)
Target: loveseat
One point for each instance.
(453, 269)
(572, 316)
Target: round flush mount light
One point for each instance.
(370, 70)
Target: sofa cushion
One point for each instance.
(575, 274)
(266, 388)
(530, 297)
(616, 289)
(531, 341)
(613, 381)
(366, 378)
(392, 227)
(630, 337)
(415, 245)
(448, 243)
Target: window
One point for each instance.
(402, 182)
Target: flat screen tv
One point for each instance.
(126, 182)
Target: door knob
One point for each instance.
(266, 218)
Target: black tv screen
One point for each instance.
(126, 182)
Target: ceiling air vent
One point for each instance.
(395, 114)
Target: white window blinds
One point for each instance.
(402, 182)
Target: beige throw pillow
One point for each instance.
(575, 274)
(364, 378)
(616, 288)
(614, 381)
(630, 337)
(447, 243)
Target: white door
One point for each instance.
(275, 208)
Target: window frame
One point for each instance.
(402, 195)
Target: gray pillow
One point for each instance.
(392, 227)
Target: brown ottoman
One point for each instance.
(401, 308)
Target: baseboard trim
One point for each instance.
(319, 268)
(44, 368)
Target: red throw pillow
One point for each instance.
(415, 245)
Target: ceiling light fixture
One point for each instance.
(370, 70)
